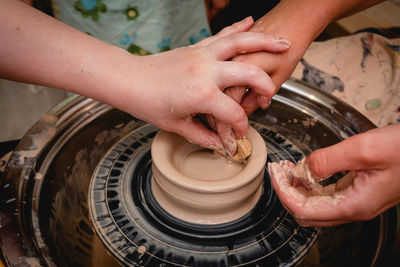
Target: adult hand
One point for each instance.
(191, 80)
(301, 28)
(278, 66)
(298, 22)
(374, 157)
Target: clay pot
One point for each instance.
(198, 186)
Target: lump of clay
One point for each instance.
(300, 177)
(243, 149)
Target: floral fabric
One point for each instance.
(140, 26)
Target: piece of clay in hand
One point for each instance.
(301, 178)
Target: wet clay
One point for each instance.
(243, 150)
(218, 167)
(297, 181)
(198, 186)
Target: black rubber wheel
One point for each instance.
(138, 231)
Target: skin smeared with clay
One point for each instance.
(243, 150)
(302, 178)
(306, 190)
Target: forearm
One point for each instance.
(302, 21)
(38, 49)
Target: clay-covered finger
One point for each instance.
(225, 133)
(302, 207)
(195, 132)
(224, 108)
(228, 139)
(283, 187)
(344, 205)
(246, 42)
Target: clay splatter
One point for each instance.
(366, 43)
(393, 47)
(373, 104)
(322, 80)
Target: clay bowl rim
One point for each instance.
(255, 165)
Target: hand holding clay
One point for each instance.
(191, 80)
(301, 28)
(278, 66)
(374, 188)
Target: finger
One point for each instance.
(195, 132)
(246, 42)
(243, 74)
(250, 103)
(346, 205)
(288, 195)
(235, 92)
(225, 133)
(211, 122)
(302, 207)
(311, 223)
(222, 107)
(266, 61)
(277, 66)
(355, 153)
(240, 26)
(256, 101)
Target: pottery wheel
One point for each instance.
(136, 229)
(84, 148)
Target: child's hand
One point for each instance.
(166, 89)
(174, 86)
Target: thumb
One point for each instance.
(195, 132)
(353, 154)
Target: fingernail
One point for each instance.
(268, 104)
(218, 148)
(264, 100)
(282, 42)
(228, 152)
(269, 169)
(211, 122)
(248, 19)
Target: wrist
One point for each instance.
(107, 75)
(300, 27)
